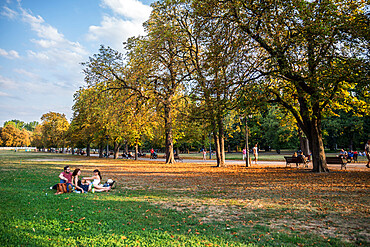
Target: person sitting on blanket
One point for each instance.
(96, 182)
(66, 177)
(80, 185)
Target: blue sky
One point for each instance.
(43, 42)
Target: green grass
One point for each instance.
(31, 215)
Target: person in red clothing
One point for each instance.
(151, 153)
(65, 183)
(66, 175)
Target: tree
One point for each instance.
(37, 138)
(11, 136)
(31, 125)
(314, 52)
(215, 66)
(54, 129)
(17, 123)
(155, 70)
(85, 127)
(274, 129)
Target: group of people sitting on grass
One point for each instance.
(72, 182)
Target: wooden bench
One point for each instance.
(295, 160)
(337, 160)
(127, 156)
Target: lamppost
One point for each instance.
(107, 137)
(246, 140)
(246, 143)
(210, 147)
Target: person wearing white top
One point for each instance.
(255, 153)
(96, 182)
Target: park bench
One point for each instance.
(127, 156)
(177, 158)
(295, 160)
(141, 155)
(337, 160)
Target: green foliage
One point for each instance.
(346, 130)
(10, 136)
(22, 125)
(308, 56)
(274, 129)
(54, 128)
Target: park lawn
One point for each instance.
(181, 205)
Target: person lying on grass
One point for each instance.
(96, 182)
(79, 185)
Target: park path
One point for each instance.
(350, 166)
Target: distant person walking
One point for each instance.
(244, 153)
(367, 151)
(152, 153)
(255, 153)
(204, 154)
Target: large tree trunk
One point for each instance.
(170, 159)
(304, 143)
(100, 150)
(136, 150)
(220, 149)
(317, 145)
(221, 139)
(126, 147)
(116, 150)
(88, 150)
(217, 148)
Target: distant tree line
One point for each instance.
(16, 133)
(271, 129)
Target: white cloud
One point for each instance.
(57, 57)
(53, 45)
(42, 29)
(9, 54)
(44, 43)
(38, 55)
(27, 74)
(114, 30)
(7, 82)
(132, 9)
(50, 72)
(2, 94)
(11, 14)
